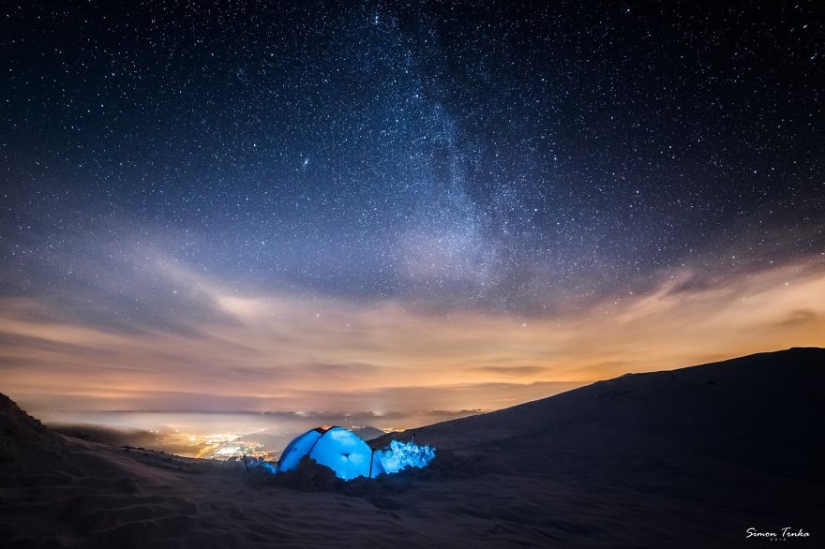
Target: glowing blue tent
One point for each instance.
(339, 449)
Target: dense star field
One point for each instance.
(401, 205)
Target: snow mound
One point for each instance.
(405, 454)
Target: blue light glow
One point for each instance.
(401, 455)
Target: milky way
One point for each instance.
(246, 198)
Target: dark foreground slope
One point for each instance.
(685, 458)
(690, 456)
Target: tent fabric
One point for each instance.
(339, 449)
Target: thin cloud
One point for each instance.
(289, 351)
(514, 371)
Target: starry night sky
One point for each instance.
(384, 205)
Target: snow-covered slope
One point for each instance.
(686, 458)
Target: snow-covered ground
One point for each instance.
(688, 458)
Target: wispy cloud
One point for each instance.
(216, 347)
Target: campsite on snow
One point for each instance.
(704, 456)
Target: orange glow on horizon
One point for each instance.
(283, 352)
